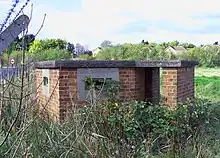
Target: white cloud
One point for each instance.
(3, 2)
(4, 7)
(87, 26)
(99, 19)
(197, 39)
(153, 9)
(177, 11)
(166, 36)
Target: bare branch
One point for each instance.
(41, 25)
(22, 94)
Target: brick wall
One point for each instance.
(137, 84)
(140, 83)
(67, 91)
(130, 84)
(178, 85)
(63, 92)
(49, 104)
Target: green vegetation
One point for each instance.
(127, 129)
(39, 50)
(207, 83)
(133, 129)
(208, 87)
(50, 54)
(117, 129)
(208, 56)
(209, 72)
(42, 45)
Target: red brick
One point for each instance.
(137, 83)
(182, 81)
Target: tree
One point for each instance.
(88, 52)
(28, 40)
(215, 43)
(40, 45)
(153, 44)
(188, 45)
(18, 42)
(174, 43)
(143, 42)
(106, 43)
(79, 49)
(51, 54)
(164, 45)
(70, 47)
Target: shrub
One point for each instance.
(85, 57)
(42, 45)
(50, 54)
(17, 55)
(127, 129)
(208, 56)
(138, 127)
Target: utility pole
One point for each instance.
(6, 38)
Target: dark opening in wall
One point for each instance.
(45, 81)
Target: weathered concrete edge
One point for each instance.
(114, 63)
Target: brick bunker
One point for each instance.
(60, 83)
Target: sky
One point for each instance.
(89, 22)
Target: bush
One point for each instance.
(42, 45)
(85, 57)
(17, 55)
(137, 128)
(127, 129)
(50, 54)
(208, 56)
(134, 52)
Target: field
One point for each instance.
(207, 83)
(209, 72)
(126, 130)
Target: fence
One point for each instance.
(8, 72)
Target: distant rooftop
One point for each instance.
(178, 48)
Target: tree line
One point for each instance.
(42, 49)
(207, 55)
(58, 49)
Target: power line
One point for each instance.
(22, 8)
(12, 11)
(9, 15)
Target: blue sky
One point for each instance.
(89, 22)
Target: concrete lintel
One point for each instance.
(114, 63)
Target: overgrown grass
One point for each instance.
(207, 83)
(128, 129)
(208, 87)
(209, 72)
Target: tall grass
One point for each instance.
(132, 129)
(113, 129)
(208, 87)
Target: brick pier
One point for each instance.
(60, 82)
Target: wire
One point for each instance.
(12, 11)
(9, 15)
